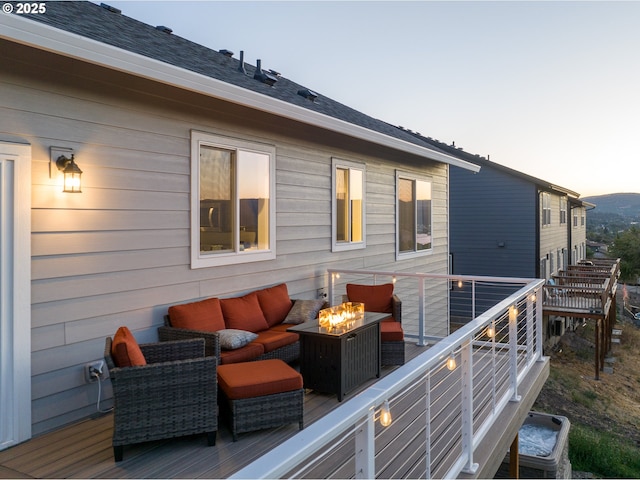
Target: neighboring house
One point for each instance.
(505, 223)
(202, 176)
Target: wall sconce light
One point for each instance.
(459, 283)
(451, 362)
(385, 414)
(72, 174)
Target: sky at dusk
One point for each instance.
(548, 88)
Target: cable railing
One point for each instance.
(443, 402)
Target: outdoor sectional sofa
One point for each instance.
(246, 328)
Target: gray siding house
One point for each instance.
(505, 223)
(149, 117)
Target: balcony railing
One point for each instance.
(443, 402)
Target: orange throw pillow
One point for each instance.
(275, 303)
(125, 350)
(244, 313)
(205, 315)
(376, 298)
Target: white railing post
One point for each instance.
(421, 325)
(365, 447)
(530, 326)
(427, 430)
(332, 284)
(539, 320)
(466, 353)
(513, 352)
(473, 299)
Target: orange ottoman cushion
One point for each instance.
(255, 379)
(391, 332)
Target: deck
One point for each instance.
(83, 450)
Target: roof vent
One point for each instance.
(226, 53)
(164, 29)
(110, 8)
(241, 67)
(260, 75)
(308, 94)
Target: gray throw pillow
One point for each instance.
(304, 311)
(230, 338)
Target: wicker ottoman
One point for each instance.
(261, 394)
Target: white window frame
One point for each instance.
(563, 210)
(400, 175)
(336, 246)
(198, 258)
(545, 204)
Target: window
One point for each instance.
(575, 219)
(563, 210)
(546, 208)
(232, 201)
(413, 213)
(348, 206)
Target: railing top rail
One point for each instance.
(444, 276)
(315, 436)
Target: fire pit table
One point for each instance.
(337, 360)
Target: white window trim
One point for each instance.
(198, 260)
(413, 177)
(343, 246)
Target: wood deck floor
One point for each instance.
(83, 450)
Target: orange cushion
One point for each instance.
(376, 298)
(391, 332)
(243, 354)
(275, 303)
(243, 313)
(255, 379)
(125, 350)
(205, 315)
(272, 339)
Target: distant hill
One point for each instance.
(625, 204)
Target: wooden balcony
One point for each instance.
(588, 291)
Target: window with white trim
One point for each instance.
(232, 201)
(546, 208)
(414, 215)
(348, 205)
(563, 210)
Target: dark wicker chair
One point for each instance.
(391, 351)
(174, 395)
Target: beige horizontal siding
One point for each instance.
(118, 254)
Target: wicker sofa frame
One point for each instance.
(287, 353)
(174, 395)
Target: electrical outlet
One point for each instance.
(321, 293)
(94, 371)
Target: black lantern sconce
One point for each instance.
(72, 174)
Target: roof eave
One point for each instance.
(44, 37)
